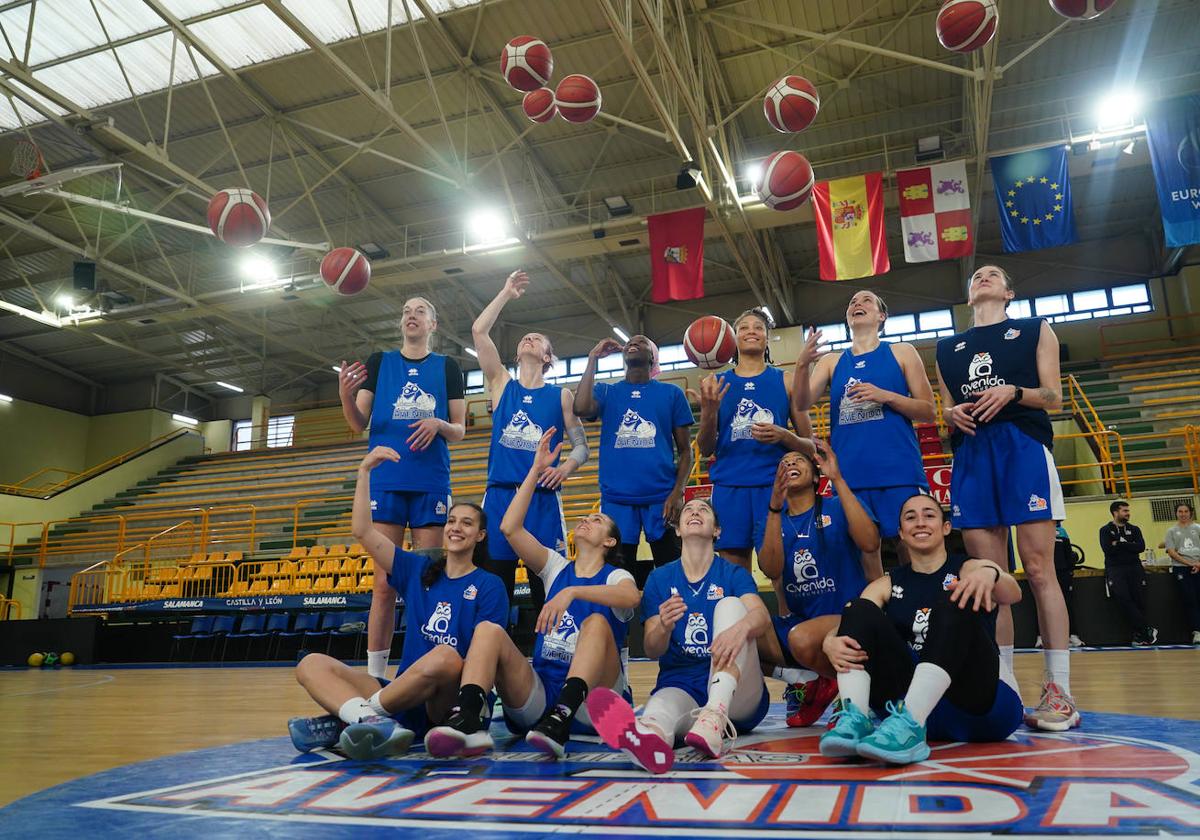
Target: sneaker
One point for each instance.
(1196, 637)
(1038, 643)
(375, 737)
(1151, 635)
(793, 696)
(898, 740)
(1055, 712)
(551, 733)
(458, 737)
(849, 725)
(315, 733)
(1074, 641)
(614, 722)
(812, 698)
(711, 734)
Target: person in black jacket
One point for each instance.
(1124, 576)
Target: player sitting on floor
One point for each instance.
(821, 548)
(444, 599)
(702, 617)
(921, 644)
(580, 643)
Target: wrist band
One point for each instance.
(775, 510)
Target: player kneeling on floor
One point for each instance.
(702, 619)
(445, 601)
(580, 643)
(920, 645)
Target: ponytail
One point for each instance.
(480, 557)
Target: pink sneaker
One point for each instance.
(711, 734)
(616, 725)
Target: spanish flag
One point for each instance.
(850, 232)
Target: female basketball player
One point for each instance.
(524, 407)
(703, 617)
(998, 380)
(444, 601)
(817, 547)
(743, 421)
(419, 411)
(920, 644)
(580, 641)
(876, 392)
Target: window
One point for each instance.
(1132, 299)
(1019, 309)
(474, 379)
(1091, 299)
(1051, 305)
(938, 319)
(915, 326)
(900, 324)
(279, 433)
(1128, 295)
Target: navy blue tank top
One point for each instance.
(407, 392)
(742, 461)
(875, 445)
(915, 595)
(522, 415)
(997, 354)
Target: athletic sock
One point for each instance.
(571, 697)
(471, 700)
(354, 710)
(929, 684)
(377, 661)
(1058, 666)
(1007, 674)
(377, 705)
(720, 691)
(793, 676)
(855, 686)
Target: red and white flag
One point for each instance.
(677, 255)
(935, 212)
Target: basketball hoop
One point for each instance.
(26, 161)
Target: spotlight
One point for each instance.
(620, 333)
(229, 387)
(618, 205)
(183, 418)
(753, 172)
(5, 398)
(65, 301)
(486, 226)
(258, 270)
(929, 148)
(689, 176)
(1118, 109)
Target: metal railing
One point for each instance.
(7, 607)
(1149, 344)
(45, 490)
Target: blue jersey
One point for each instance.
(405, 393)
(637, 448)
(521, 416)
(741, 460)
(553, 651)
(876, 445)
(822, 567)
(915, 596)
(686, 662)
(447, 612)
(997, 354)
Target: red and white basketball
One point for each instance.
(1081, 9)
(578, 98)
(346, 271)
(238, 217)
(526, 63)
(539, 105)
(709, 342)
(964, 26)
(786, 182)
(791, 104)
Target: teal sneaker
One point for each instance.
(898, 740)
(850, 725)
(375, 738)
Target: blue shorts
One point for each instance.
(520, 720)
(699, 693)
(947, 722)
(743, 515)
(544, 520)
(633, 520)
(1003, 477)
(415, 719)
(409, 508)
(783, 626)
(884, 503)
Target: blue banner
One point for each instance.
(1173, 126)
(1033, 191)
(245, 603)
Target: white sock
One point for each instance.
(1006, 657)
(720, 691)
(928, 684)
(377, 705)
(1058, 666)
(354, 710)
(855, 686)
(793, 676)
(377, 661)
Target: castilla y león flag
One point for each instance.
(677, 255)
(935, 211)
(850, 233)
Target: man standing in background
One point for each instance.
(1124, 576)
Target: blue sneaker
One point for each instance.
(898, 740)
(374, 738)
(315, 733)
(850, 725)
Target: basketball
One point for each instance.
(964, 26)
(238, 217)
(791, 104)
(67, 658)
(1081, 9)
(346, 271)
(709, 342)
(786, 182)
(526, 63)
(539, 105)
(578, 99)
(35, 660)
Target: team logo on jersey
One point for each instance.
(808, 578)
(860, 364)
(948, 580)
(962, 345)
(715, 593)
(437, 628)
(852, 411)
(470, 592)
(635, 432)
(749, 386)
(897, 591)
(979, 374)
(956, 511)
(748, 413)
(527, 400)
(920, 628)
(440, 508)
(1188, 544)
(825, 521)
(695, 635)
(1011, 333)
(413, 403)
(1036, 503)
(635, 395)
(412, 371)
(374, 505)
(521, 433)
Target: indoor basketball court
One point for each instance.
(247, 243)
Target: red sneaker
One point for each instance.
(816, 696)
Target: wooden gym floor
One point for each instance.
(67, 723)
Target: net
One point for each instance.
(26, 160)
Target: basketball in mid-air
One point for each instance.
(1081, 9)
(578, 98)
(539, 105)
(526, 63)
(346, 271)
(964, 26)
(238, 217)
(791, 104)
(709, 342)
(786, 181)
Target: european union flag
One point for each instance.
(1034, 193)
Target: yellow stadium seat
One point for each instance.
(287, 567)
(331, 565)
(336, 551)
(266, 569)
(239, 587)
(171, 591)
(162, 574)
(366, 582)
(302, 584)
(196, 558)
(350, 565)
(259, 585)
(297, 553)
(317, 551)
(234, 557)
(216, 557)
(202, 573)
(309, 567)
(346, 583)
(186, 573)
(323, 584)
(147, 592)
(356, 550)
(280, 585)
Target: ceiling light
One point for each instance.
(257, 269)
(618, 205)
(1117, 109)
(43, 317)
(689, 176)
(5, 398)
(183, 418)
(620, 333)
(486, 226)
(65, 301)
(471, 352)
(753, 172)
(232, 387)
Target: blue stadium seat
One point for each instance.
(358, 635)
(330, 621)
(201, 628)
(304, 623)
(250, 627)
(222, 626)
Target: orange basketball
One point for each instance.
(787, 180)
(964, 26)
(709, 342)
(346, 271)
(791, 104)
(539, 105)
(1081, 9)
(238, 217)
(526, 62)
(578, 98)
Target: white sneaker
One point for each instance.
(1196, 637)
(710, 732)
(1077, 642)
(1038, 643)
